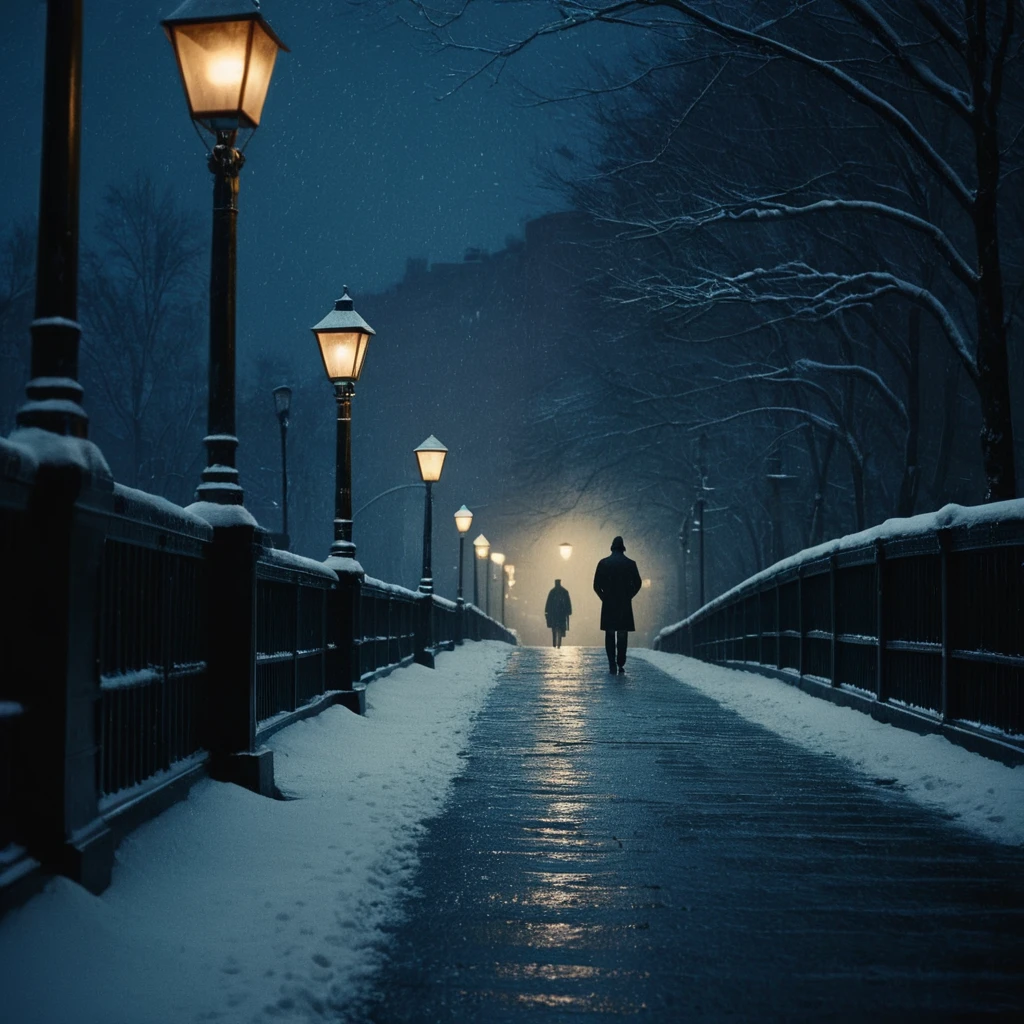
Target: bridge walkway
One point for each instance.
(623, 846)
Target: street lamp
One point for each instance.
(430, 456)
(565, 550)
(463, 521)
(282, 406)
(481, 548)
(225, 52)
(343, 336)
(499, 560)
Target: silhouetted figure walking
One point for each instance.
(557, 610)
(617, 582)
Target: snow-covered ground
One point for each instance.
(983, 795)
(231, 907)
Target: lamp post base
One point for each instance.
(343, 549)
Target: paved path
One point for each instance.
(624, 846)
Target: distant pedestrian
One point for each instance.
(617, 582)
(557, 610)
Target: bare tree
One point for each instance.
(142, 336)
(936, 81)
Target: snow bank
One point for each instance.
(237, 908)
(981, 794)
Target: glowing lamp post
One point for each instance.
(343, 336)
(499, 560)
(463, 521)
(565, 550)
(430, 458)
(225, 52)
(481, 548)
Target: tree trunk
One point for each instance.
(857, 476)
(993, 380)
(911, 466)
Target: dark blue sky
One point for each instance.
(357, 166)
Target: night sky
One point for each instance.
(358, 164)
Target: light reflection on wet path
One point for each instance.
(623, 847)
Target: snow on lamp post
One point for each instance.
(481, 548)
(343, 337)
(282, 406)
(225, 51)
(430, 456)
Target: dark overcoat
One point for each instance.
(617, 582)
(558, 608)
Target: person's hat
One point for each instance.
(618, 545)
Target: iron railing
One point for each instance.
(386, 630)
(124, 682)
(293, 641)
(480, 626)
(151, 630)
(925, 613)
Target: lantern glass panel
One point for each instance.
(463, 520)
(431, 463)
(343, 353)
(261, 67)
(213, 57)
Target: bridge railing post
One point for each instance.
(834, 613)
(880, 688)
(943, 538)
(801, 625)
(231, 721)
(59, 815)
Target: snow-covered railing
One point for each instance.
(926, 614)
(480, 626)
(386, 627)
(146, 644)
(296, 632)
(151, 640)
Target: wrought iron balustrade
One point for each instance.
(294, 635)
(925, 614)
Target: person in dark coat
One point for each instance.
(557, 610)
(617, 582)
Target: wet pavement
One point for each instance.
(623, 846)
